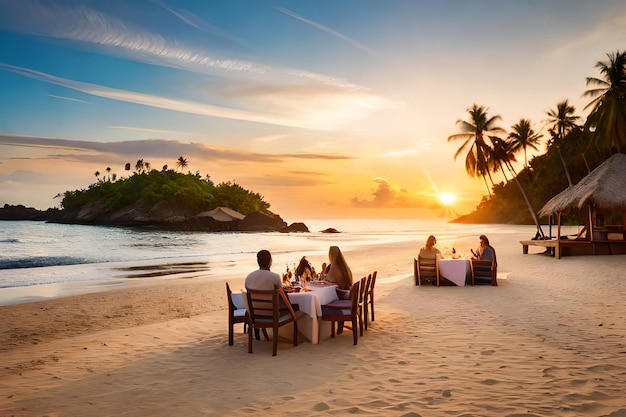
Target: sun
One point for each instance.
(447, 199)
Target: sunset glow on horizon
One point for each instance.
(327, 109)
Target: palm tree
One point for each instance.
(127, 166)
(561, 121)
(109, 172)
(607, 119)
(139, 166)
(181, 163)
(97, 174)
(522, 137)
(473, 135)
(502, 156)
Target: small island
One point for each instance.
(161, 199)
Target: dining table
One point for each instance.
(455, 270)
(310, 300)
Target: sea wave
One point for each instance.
(41, 261)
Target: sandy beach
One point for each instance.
(549, 340)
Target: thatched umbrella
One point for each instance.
(603, 188)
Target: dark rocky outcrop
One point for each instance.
(330, 230)
(262, 221)
(296, 227)
(163, 215)
(20, 212)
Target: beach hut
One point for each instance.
(222, 214)
(603, 190)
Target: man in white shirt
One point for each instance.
(263, 278)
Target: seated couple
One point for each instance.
(484, 251)
(337, 271)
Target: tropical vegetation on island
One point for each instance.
(572, 151)
(147, 186)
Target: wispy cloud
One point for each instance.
(285, 180)
(66, 98)
(320, 113)
(613, 28)
(328, 30)
(197, 22)
(150, 130)
(154, 148)
(282, 96)
(85, 24)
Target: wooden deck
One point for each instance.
(550, 245)
(575, 247)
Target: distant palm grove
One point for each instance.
(147, 186)
(574, 148)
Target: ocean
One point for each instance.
(39, 253)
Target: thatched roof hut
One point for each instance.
(222, 214)
(604, 188)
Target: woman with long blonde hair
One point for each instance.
(339, 271)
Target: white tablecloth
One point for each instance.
(455, 270)
(310, 304)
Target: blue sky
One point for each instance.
(327, 108)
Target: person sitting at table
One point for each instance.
(485, 251)
(263, 278)
(304, 270)
(338, 270)
(429, 250)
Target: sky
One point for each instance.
(328, 109)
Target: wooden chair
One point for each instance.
(236, 313)
(484, 272)
(366, 300)
(270, 309)
(369, 305)
(426, 270)
(345, 311)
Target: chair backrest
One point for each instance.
(235, 300)
(484, 271)
(427, 270)
(370, 290)
(263, 305)
(362, 287)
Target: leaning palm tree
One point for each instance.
(182, 163)
(474, 132)
(502, 156)
(522, 137)
(561, 121)
(607, 119)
